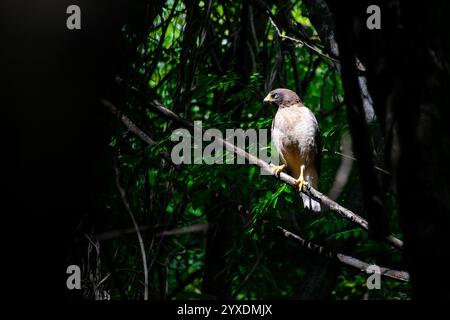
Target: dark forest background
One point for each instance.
(208, 230)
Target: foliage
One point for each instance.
(191, 59)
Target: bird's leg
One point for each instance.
(277, 169)
(300, 182)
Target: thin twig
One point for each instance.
(138, 232)
(112, 234)
(199, 227)
(301, 43)
(354, 159)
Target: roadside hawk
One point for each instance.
(296, 137)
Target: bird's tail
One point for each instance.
(310, 203)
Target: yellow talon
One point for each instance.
(278, 169)
(300, 182)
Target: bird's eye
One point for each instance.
(275, 95)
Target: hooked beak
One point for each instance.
(268, 99)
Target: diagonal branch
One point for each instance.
(134, 129)
(306, 42)
(332, 205)
(345, 259)
(301, 43)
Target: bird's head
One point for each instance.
(282, 98)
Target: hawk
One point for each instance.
(296, 137)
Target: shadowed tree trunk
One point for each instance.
(408, 75)
(224, 227)
(320, 279)
(216, 277)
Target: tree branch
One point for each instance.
(273, 20)
(310, 191)
(134, 129)
(301, 43)
(345, 259)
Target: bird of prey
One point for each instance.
(296, 137)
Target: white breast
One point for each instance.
(295, 126)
